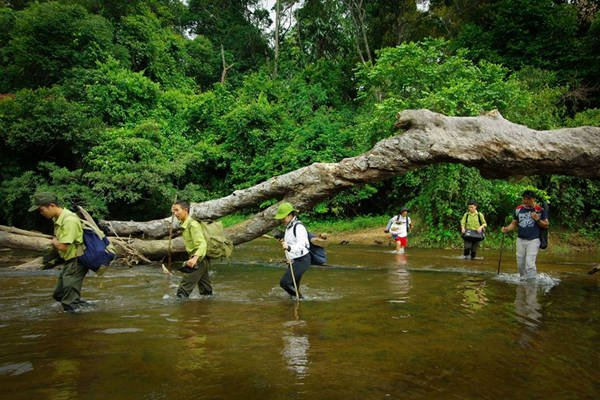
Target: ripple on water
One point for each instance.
(14, 369)
(116, 331)
(542, 280)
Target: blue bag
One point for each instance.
(97, 253)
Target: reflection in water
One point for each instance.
(296, 345)
(474, 296)
(400, 280)
(528, 311)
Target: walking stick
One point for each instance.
(291, 267)
(293, 276)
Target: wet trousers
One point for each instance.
(68, 286)
(527, 251)
(470, 248)
(300, 266)
(198, 277)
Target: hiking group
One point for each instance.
(529, 219)
(81, 251)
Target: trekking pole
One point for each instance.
(293, 276)
(289, 261)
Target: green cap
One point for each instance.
(284, 209)
(42, 198)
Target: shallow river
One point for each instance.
(375, 325)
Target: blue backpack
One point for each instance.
(318, 255)
(98, 250)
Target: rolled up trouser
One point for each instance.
(527, 250)
(68, 286)
(198, 277)
(300, 266)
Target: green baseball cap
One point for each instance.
(284, 209)
(42, 198)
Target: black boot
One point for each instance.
(472, 255)
(466, 252)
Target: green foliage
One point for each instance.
(544, 107)
(323, 30)
(153, 50)
(49, 39)
(589, 117)
(131, 168)
(117, 94)
(41, 125)
(235, 26)
(16, 194)
(428, 75)
(346, 224)
(69, 186)
(201, 61)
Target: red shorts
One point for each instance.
(403, 240)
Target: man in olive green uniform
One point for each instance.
(195, 269)
(68, 242)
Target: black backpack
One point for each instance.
(318, 254)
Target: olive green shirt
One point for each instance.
(472, 222)
(68, 230)
(193, 238)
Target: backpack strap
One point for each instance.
(298, 222)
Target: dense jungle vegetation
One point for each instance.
(119, 105)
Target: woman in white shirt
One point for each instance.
(296, 245)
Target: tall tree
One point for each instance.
(235, 24)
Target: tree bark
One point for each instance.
(490, 143)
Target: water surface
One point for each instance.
(375, 325)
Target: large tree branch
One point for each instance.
(490, 143)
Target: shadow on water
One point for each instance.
(373, 325)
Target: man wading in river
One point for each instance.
(529, 218)
(195, 269)
(68, 242)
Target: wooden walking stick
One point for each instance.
(289, 261)
(293, 276)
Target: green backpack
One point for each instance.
(217, 244)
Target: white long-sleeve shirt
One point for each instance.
(297, 243)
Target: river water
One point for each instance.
(374, 325)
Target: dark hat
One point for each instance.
(404, 209)
(529, 194)
(42, 198)
(472, 202)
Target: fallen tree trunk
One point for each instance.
(133, 251)
(490, 143)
